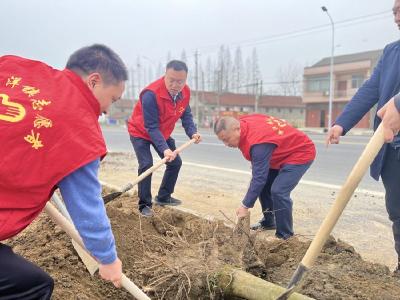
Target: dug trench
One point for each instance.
(178, 255)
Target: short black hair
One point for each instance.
(177, 65)
(101, 59)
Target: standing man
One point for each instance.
(50, 137)
(160, 106)
(383, 84)
(279, 155)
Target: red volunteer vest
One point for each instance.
(48, 128)
(293, 146)
(168, 112)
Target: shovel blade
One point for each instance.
(294, 282)
(110, 197)
(285, 295)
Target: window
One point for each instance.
(317, 84)
(356, 81)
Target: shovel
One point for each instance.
(60, 220)
(91, 265)
(371, 150)
(142, 176)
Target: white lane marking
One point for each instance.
(315, 141)
(305, 182)
(217, 144)
(184, 134)
(202, 143)
(340, 143)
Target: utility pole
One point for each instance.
(260, 94)
(218, 92)
(331, 83)
(219, 88)
(138, 72)
(196, 103)
(203, 88)
(132, 85)
(258, 89)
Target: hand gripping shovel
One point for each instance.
(345, 193)
(142, 176)
(91, 265)
(71, 231)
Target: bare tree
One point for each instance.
(228, 69)
(290, 79)
(209, 74)
(255, 69)
(238, 70)
(249, 75)
(150, 74)
(139, 68)
(160, 70)
(221, 68)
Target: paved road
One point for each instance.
(332, 165)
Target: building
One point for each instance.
(349, 73)
(214, 104)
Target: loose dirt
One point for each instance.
(177, 254)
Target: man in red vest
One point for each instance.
(279, 155)
(161, 104)
(50, 137)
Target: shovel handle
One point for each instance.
(155, 167)
(61, 206)
(59, 219)
(371, 150)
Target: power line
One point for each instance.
(285, 37)
(296, 33)
(305, 31)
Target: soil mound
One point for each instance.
(177, 255)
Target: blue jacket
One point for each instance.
(383, 84)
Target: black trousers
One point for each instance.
(145, 160)
(21, 279)
(391, 181)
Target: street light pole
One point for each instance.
(331, 68)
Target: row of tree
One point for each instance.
(222, 72)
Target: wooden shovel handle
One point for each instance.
(154, 167)
(371, 150)
(59, 219)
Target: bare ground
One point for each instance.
(364, 223)
(175, 255)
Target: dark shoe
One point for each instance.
(262, 226)
(146, 212)
(169, 201)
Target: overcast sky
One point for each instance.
(50, 30)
